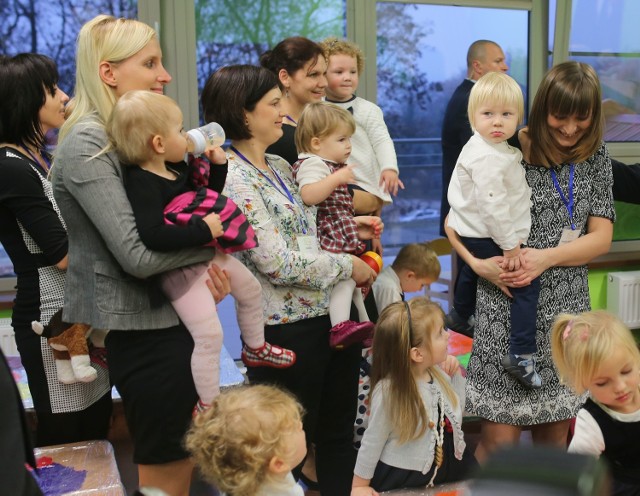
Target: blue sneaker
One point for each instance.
(523, 368)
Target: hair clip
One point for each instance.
(584, 335)
(567, 330)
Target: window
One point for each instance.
(239, 32)
(614, 53)
(419, 65)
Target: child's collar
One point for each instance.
(353, 97)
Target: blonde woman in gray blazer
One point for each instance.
(109, 282)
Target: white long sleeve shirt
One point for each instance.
(489, 194)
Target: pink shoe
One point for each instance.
(269, 355)
(349, 332)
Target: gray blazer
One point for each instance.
(109, 266)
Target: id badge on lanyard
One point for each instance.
(568, 233)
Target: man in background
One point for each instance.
(483, 56)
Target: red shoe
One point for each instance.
(349, 332)
(199, 408)
(269, 355)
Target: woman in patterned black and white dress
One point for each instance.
(34, 236)
(569, 171)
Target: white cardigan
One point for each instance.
(372, 147)
(380, 442)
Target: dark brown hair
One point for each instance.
(232, 90)
(570, 88)
(291, 54)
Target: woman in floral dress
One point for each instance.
(295, 274)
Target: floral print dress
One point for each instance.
(296, 283)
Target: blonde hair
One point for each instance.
(136, 118)
(103, 38)
(580, 343)
(570, 88)
(335, 46)
(497, 88)
(233, 441)
(400, 327)
(418, 258)
(318, 120)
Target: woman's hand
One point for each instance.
(490, 270)
(218, 283)
(361, 273)
(369, 227)
(534, 264)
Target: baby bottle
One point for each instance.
(210, 134)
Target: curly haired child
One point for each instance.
(376, 174)
(596, 352)
(249, 440)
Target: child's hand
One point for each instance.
(215, 155)
(376, 245)
(215, 225)
(391, 182)
(345, 175)
(512, 259)
(451, 366)
(369, 227)
(363, 491)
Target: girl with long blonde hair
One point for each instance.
(414, 437)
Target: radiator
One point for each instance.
(623, 296)
(7, 340)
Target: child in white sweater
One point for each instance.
(376, 172)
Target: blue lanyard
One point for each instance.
(37, 162)
(284, 191)
(568, 202)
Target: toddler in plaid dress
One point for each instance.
(323, 141)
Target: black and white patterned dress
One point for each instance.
(491, 392)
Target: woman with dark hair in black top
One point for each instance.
(34, 236)
(301, 67)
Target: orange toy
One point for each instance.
(373, 260)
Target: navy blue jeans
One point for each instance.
(524, 306)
